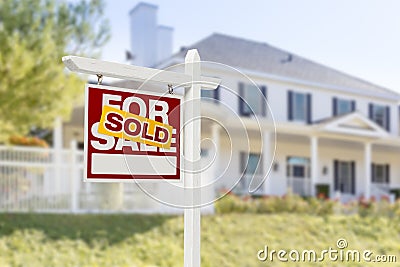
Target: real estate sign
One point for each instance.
(131, 134)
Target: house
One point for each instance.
(311, 128)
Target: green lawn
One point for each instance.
(143, 240)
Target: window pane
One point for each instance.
(343, 106)
(345, 177)
(380, 173)
(299, 109)
(251, 163)
(298, 171)
(207, 94)
(379, 115)
(254, 164)
(254, 100)
(298, 167)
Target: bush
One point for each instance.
(273, 204)
(378, 209)
(231, 203)
(292, 203)
(396, 209)
(321, 206)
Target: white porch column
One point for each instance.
(314, 163)
(266, 161)
(367, 169)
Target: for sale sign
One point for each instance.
(131, 134)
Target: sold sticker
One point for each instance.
(122, 124)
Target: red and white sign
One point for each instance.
(131, 134)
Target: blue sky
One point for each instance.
(359, 37)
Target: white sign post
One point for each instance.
(193, 82)
(192, 180)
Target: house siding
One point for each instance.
(277, 97)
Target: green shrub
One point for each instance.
(292, 203)
(379, 208)
(231, 203)
(267, 205)
(320, 206)
(396, 209)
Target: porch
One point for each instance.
(346, 158)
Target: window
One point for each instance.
(380, 114)
(380, 173)
(299, 105)
(252, 100)
(250, 165)
(212, 95)
(343, 106)
(298, 167)
(344, 174)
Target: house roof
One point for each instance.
(264, 58)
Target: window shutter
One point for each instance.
(264, 104)
(387, 173)
(309, 109)
(353, 105)
(388, 118)
(373, 178)
(353, 177)
(370, 110)
(334, 106)
(290, 105)
(216, 94)
(241, 98)
(336, 174)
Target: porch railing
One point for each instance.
(379, 190)
(49, 180)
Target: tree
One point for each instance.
(34, 35)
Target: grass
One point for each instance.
(145, 240)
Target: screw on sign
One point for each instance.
(131, 135)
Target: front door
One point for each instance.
(344, 177)
(298, 175)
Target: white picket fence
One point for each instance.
(49, 180)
